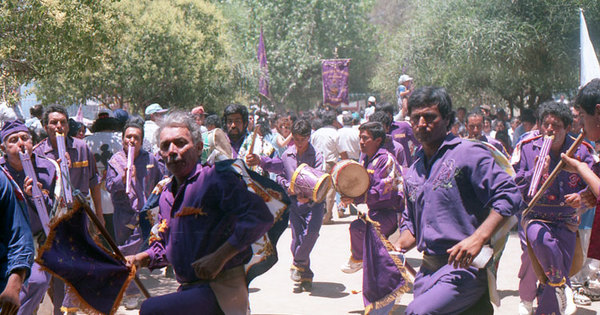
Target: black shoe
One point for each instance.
(306, 285)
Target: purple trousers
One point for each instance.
(198, 299)
(527, 278)
(388, 220)
(447, 290)
(554, 246)
(306, 221)
(33, 292)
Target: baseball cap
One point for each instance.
(403, 78)
(153, 109)
(371, 99)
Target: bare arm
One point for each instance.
(97, 199)
(209, 266)
(9, 298)
(581, 168)
(281, 142)
(406, 241)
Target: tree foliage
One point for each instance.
(519, 52)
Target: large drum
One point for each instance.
(310, 183)
(350, 178)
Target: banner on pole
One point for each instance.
(335, 82)
(263, 80)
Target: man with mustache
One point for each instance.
(207, 221)
(235, 117)
(456, 197)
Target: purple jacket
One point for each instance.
(551, 205)
(210, 208)
(448, 197)
(402, 132)
(497, 144)
(83, 172)
(385, 187)
(396, 149)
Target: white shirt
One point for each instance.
(348, 142)
(325, 141)
(150, 128)
(103, 145)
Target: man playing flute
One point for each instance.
(553, 221)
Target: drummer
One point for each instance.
(384, 196)
(306, 216)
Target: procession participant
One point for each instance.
(552, 222)
(262, 145)
(325, 141)
(208, 219)
(391, 145)
(235, 117)
(153, 113)
(456, 196)
(199, 116)
(83, 176)
(475, 131)
(16, 247)
(16, 137)
(384, 196)
(306, 216)
(145, 173)
(402, 132)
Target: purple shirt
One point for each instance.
(385, 182)
(46, 175)
(396, 149)
(210, 208)
(448, 197)
(551, 205)
(83, 172)
(497, 144)
(402, 132)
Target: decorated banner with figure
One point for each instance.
(263, 80)
(335, 82)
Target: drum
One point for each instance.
(350, 178)
(310, 183)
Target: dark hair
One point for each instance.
(301, 127)
(212, 120)
(382, 117)
(316, 123)
(53, 109)
(560, 110)
(236, 109)
(36, 110)
(503, 137)
(376, 130)
(263, 124)
(473, 114)
(74, 127)
(133, 123)
(387, 108)
(528, 115)
(106, 124)
(588, 96)
(429, 96)
(328, 117)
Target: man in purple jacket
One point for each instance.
(475, 131)
(456, 196)
(306, 216)
(207, 221)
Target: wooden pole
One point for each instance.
(108, 238)
(251, 149)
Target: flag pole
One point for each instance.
(79, 197)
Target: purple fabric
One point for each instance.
(263, 80)
(497, 144)
(527, 277)
(185, 301)
(207, 210)
(33, 291)
(335, 82)
(448, 197)
(83, 172)
(381, 275)
(46, 174)
(385, 182)
(402, 132)
(11, 127)
(305, 218)
(96, 275)
(388, 221)
(396, 149)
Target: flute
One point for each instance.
(64, 167)
(130, 153)
(36, 192)
(539, 165)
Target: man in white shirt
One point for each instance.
(153, 113)
(325, 140)
(348, 145)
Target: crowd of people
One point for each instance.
(439, 177)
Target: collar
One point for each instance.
(378, 153)
(293, 151)
(190, 178)
(449, 141)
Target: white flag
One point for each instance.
(590, 69)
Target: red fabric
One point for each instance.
(594, 249)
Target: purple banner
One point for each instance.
(335, 82)
(263, 80)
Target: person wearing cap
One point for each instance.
(16, 138)
(154, 113)
(371, 101)
(403, 92)
(199, 115)
(83, 176)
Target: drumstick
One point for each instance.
(557, 169)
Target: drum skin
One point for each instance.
(350, 178)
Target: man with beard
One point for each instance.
(235, 117)
(207, 221)
(456, 197)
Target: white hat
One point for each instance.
(371, 99)
(403, 78)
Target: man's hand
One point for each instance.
(588, 198)
(546, 166)
(28, 186)
(572, 165)
(463, 253)
(252, 159)
(208, 267)
(138, 260)
(573, 200)
(9, 298)
(132, 174)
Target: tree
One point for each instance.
(520, 52)
(172, 52)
